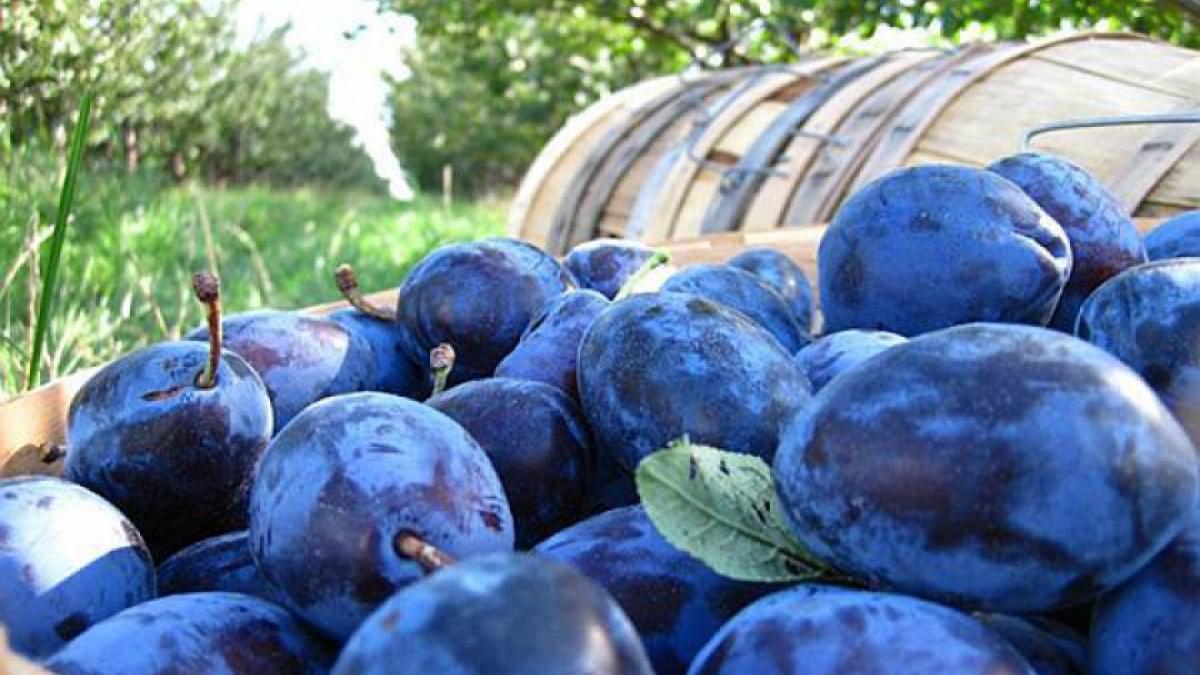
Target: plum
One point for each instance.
(170, 434)
(604, 265)
(1149, 317)
(782, 275)
(220, 563)
(67, 560)
(1051, 649)
(300, 358)
(479, 297)
(675, 601)
(929, 247)
(549, 349)
(1104, 240)
(956, 466)
(501, 613)
(833, 354)
(394, 370)
(196, 633)
(1150, 623)
(345, 480)
(659, 366)
(1178, 237)
(745, 293)
(536, 439)
(814, 630)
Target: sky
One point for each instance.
(358, 93)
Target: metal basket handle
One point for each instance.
(1183, 117)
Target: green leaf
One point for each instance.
(722, 508)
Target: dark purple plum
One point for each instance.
(831, 355)
(1051, 649)
(478, 297)
(826, 630)
(220, 563)
(929, 247)
(300, 358)
(339, 486)
(995, 466)
(783, 276)
(549, 349)
(1149, 317)
(502, 613)
(1178, 237)
(658, 366)
(1150, 625)
(538, 443)
(742, 291)
(394, 370)
(176, 457)
(604, 265)
(196, 633)
(675, 601)
(67, 560)
(1104, 240)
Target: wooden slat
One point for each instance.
(1148, 64)
(1156, 156)
(1180, 188)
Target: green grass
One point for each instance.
(134, 242)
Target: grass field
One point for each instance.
(134, 242)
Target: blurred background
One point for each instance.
(271, 140)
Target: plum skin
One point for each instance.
(820, 630)
(675, 601)
(196, 633)
(604, 265)
(140, 424)
(221, 563)
(1104, 241)
(929, 247)
(1148, 624)
(344, 479)
(68, 559)
(743, 292)
(952, 467)
(1149, 317)
(538, 442)
(474, 617)
(1177, 237)
(395, 372)
(549, 348)
(659, 366)
(831, 355)
(783, 276)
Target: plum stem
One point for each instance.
(208, 291)
(655, 261)
(347, 283)
(428, 556)
(441, 362)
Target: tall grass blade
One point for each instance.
(58, 239)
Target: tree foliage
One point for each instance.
(493, 79)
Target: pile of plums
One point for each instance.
(985, 431)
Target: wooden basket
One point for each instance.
(755, 149)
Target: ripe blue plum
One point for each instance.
(929, 247)
(954, 467)
(67, 560)
(339, 486)
(658, 366)
(1104, 240)
(604, 265)
(549, 349)
(300, 358)
(1149, 317)
(675, 601)
(783, 276)
(1178, 237)
(824, 630)
(394, 370)
(742, 291)
(502, 613)
(1051, 649)
(220, 563)
(1149, 624)
(196, 633)
(478, 297)
(537, 441)
(831, 355)
(175, 457)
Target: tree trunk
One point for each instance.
(132, 151)
(178, 166)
